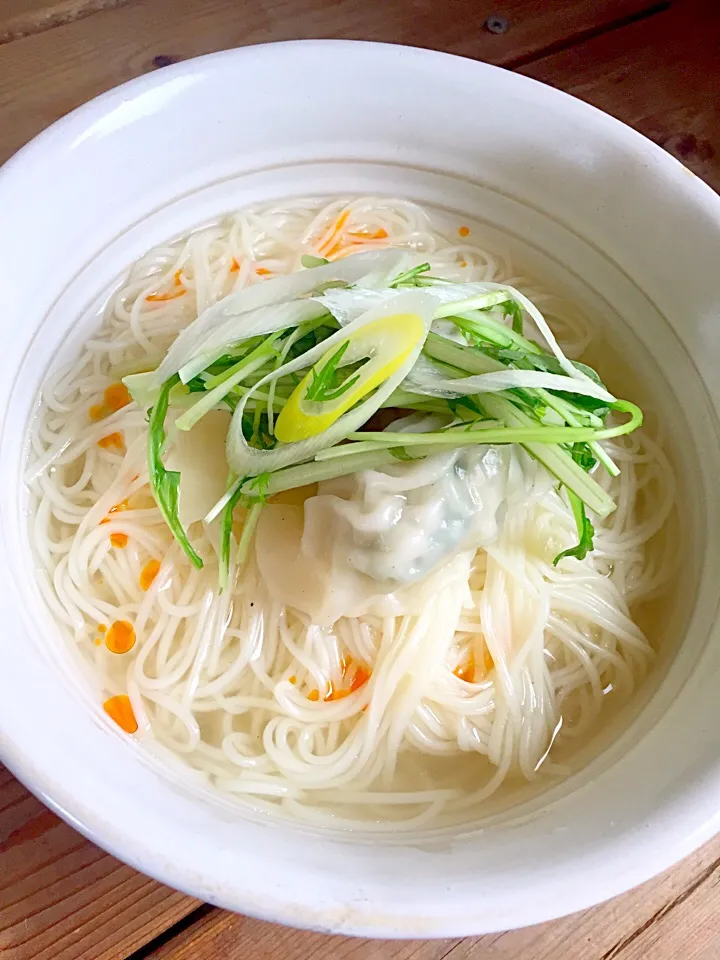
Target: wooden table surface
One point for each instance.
(653, 64)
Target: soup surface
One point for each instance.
(416, 611)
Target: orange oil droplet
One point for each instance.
(334, 694)
(117, 508)
(148, 574)
(112, 440)
(263, 272)
(98, 411)
(464, 231)
(466, 671)
(361, 676)
(488, 661)
(102, 628)
(120, 637)
(119, 539)
(234, 266)
(313, 695)
(116, 396)
(120, 710)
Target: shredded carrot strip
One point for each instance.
(263, 272)
(159, 297)
(148, 574)
(173, 294)
(327, 245)
(120, 637)
(380, 234)
(464, 231)
(336, 251)
(112, 440)
(119, 539)
(120, 710)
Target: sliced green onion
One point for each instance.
(302, 474)
(480, 302)
(226, 381)
(165, 483)
(246, 535)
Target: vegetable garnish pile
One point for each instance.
(304, 361)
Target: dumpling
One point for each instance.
(397, 524)
(362, 541)
(199, 456)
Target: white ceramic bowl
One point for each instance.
(589, 198)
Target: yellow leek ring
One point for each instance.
(387, 342)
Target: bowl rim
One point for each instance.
(697, 827)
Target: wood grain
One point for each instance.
(61, 898)
(47, 75)
(660, 75)
(631, 927)
(231, 937)
(20, 18)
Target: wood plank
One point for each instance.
(46, 75)
(611, 930)
(660, 75)
(690, 929)
(19, 18)
(630, 927)
(61, 898)
(224, 935)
